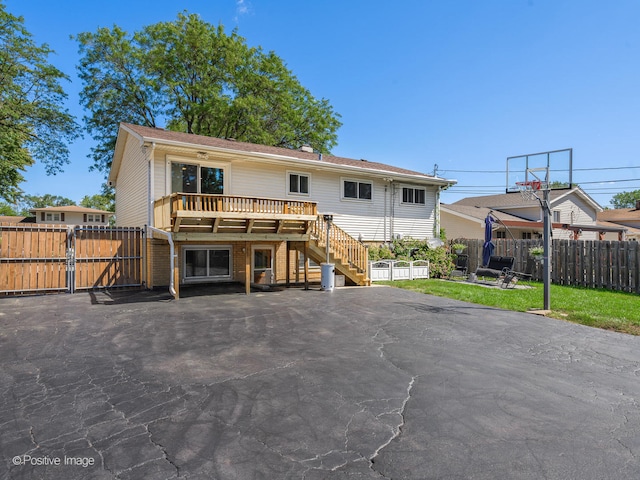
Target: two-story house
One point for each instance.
(222, 210)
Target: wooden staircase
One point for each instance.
(349, 256)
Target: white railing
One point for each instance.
(389, 270)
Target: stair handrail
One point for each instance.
(342, 245)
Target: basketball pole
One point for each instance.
(546, 232)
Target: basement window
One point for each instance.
(207, 263)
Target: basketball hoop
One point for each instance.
(528, 189)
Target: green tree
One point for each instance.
(197, 79)
(99, 201)
(625, 199)
(33, 123)
(6, 209)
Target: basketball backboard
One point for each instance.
(553, 170)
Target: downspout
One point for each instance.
(172, 289)
(148, 151)
(384, 220)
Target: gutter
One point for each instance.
(172, 255)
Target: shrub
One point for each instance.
(440, 261)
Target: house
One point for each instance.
(71, 215)
(624, 217)
(464, 221)
(235, 211)
(574, 216)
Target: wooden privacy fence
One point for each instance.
(57, 258)
(586, 263)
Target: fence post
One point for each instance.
(71, 260)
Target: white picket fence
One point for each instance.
(398, 270)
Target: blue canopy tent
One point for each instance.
(487, 248)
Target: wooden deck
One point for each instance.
(199, 216)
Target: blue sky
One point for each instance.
(462, 84)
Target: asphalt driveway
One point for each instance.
(362, 383)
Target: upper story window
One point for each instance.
(298, 184)
(354, 189)
(192, 178)
(52, 217)
(556, 216)
(413, 195)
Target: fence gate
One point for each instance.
(57, 258)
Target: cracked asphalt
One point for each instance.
(360, 383)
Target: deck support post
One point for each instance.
(247, 267)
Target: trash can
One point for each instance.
(327, 276)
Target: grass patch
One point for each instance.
(605, 309)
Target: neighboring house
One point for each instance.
(244, 212)
(625, 217)
(574, 215)
(71, 215)
(463, 221)
(16, 219)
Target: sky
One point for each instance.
(446, 86)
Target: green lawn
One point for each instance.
(597, 308)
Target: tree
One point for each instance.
(99, 201)
(625, 199)
(6, 209)
(29, 202)
(33, 123)
(196, 79)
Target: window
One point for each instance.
(556, 216)
(189, 178)
(356, 190)
(299, 183)
(526, 235)
(413, 195)
(201, 263)
(52, 217)
(500, 234)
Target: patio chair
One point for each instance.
(512, 278)
(461, 265)
(497, 268)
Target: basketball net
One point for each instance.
(529, 190)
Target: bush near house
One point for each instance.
(440, 260)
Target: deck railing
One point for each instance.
(166, 207)
(341, 244)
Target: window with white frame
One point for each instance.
(207, 263)
(556, 216)
(52, 217)
(356, 190)
(194, 178)
(298, 183)
(413, 195)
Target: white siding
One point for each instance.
(364, 218)
(573, 210)
(131, 187)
